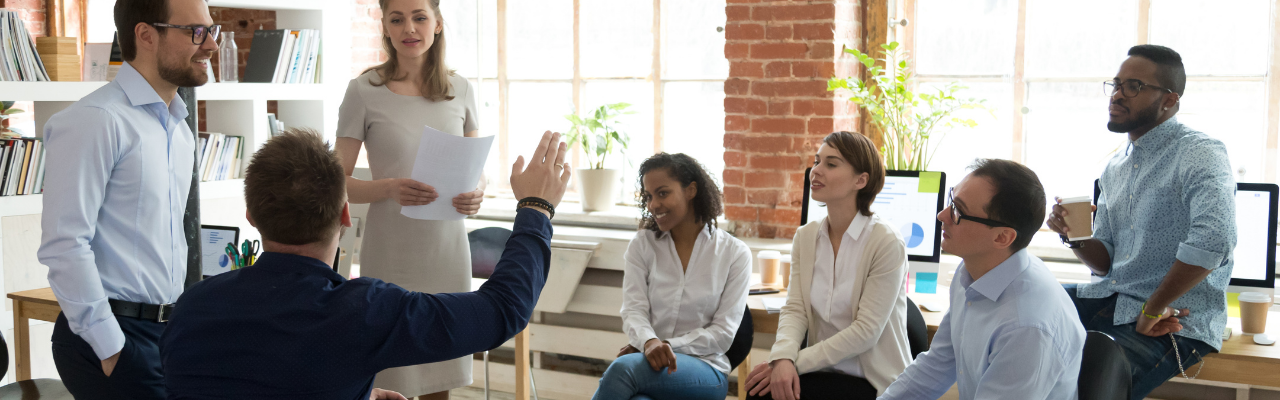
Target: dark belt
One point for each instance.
(143, 311)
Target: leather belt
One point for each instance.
(143, 311)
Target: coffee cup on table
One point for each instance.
(769, 261)
(785, 271)
(1253, 312)
(1079, 218)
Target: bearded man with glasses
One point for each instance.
(1164, 228)
(1010, 332)
(113, 235)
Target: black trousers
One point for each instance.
(137, 374)
(830, 385)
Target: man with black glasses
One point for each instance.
(115, 199)
(1164, 229)
(1010, 332)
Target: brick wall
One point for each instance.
(777, 106)
(366, 36)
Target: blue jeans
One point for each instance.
(630, 377)
(1151, 359)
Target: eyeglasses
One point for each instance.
(1129, 88)
(199, 34)
(957, 216)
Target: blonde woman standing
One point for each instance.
(385, 109)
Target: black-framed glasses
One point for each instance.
(1129, 88)
(957, 216)
(199, 34)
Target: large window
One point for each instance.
(664, 57)
(1045, 80)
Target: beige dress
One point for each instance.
(418, 255)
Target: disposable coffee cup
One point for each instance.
(1253, 312)
(769, 261)
(1079, 218)
(785, 271)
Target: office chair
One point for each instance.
(1104, 369)
(32, 389)
(487, 245)
(917, 331)
(741, 347)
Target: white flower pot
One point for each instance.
(599, 188)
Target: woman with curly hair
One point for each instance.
(684, 289)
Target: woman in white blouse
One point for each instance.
(684, 289)
(846, 295)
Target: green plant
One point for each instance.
(598, 133)
(907, 117)
(6, 109)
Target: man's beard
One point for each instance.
(182, 77)
(1143, 118)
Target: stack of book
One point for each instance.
(21, 166)
(19, 60)
(284, 56)
(220, 156)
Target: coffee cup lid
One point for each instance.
(1255, 297)
(786, 258)
(1079, 199)
(769, 255)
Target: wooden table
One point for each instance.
(38, 304)
(1240, 362)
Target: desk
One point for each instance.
(38, 304)
(1241, 361)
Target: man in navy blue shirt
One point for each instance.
(290, 327)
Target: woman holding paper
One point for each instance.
(385, 110)
(846, 296)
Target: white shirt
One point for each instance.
(697, 311)
(113, 204)
(834, 277)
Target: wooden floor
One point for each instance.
(469, 393)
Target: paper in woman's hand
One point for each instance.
(450, 164)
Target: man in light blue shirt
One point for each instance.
(1010, 333)
(114, 203)
(1164, 229)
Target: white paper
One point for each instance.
(774, 304)
(450, 164)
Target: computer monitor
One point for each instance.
(1254, 258)
(213, 245)
(910, 202)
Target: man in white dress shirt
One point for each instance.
(114, 202)
(1010, 333)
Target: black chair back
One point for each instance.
(1104, 370)
(741, 346)
(917, 331)
(487, 245)
(4, 357)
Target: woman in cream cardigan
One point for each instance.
(846, 296)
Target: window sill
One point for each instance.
(569, 213)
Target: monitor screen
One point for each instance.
(1254, 256)
(909, 202)
(1255, 253)
(213, 244)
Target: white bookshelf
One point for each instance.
(231, 108)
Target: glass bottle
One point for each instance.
(228, 58)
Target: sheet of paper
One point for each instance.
(450, 164)
(772, 304)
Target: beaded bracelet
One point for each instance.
(537, 202)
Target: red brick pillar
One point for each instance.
(366, 36)
(777, 106)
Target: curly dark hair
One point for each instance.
(707, 204)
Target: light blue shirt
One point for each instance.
(114, 199)
(1012, 334)
(1169, 195)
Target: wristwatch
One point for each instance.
(1070, 244)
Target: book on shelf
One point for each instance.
(21, 166)
(273, 125)
(220, 156)
(19, 60)
(283, 56)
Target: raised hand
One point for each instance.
(546, 176)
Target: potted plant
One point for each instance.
(6, 109)
(907, 117)
(598, 136)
